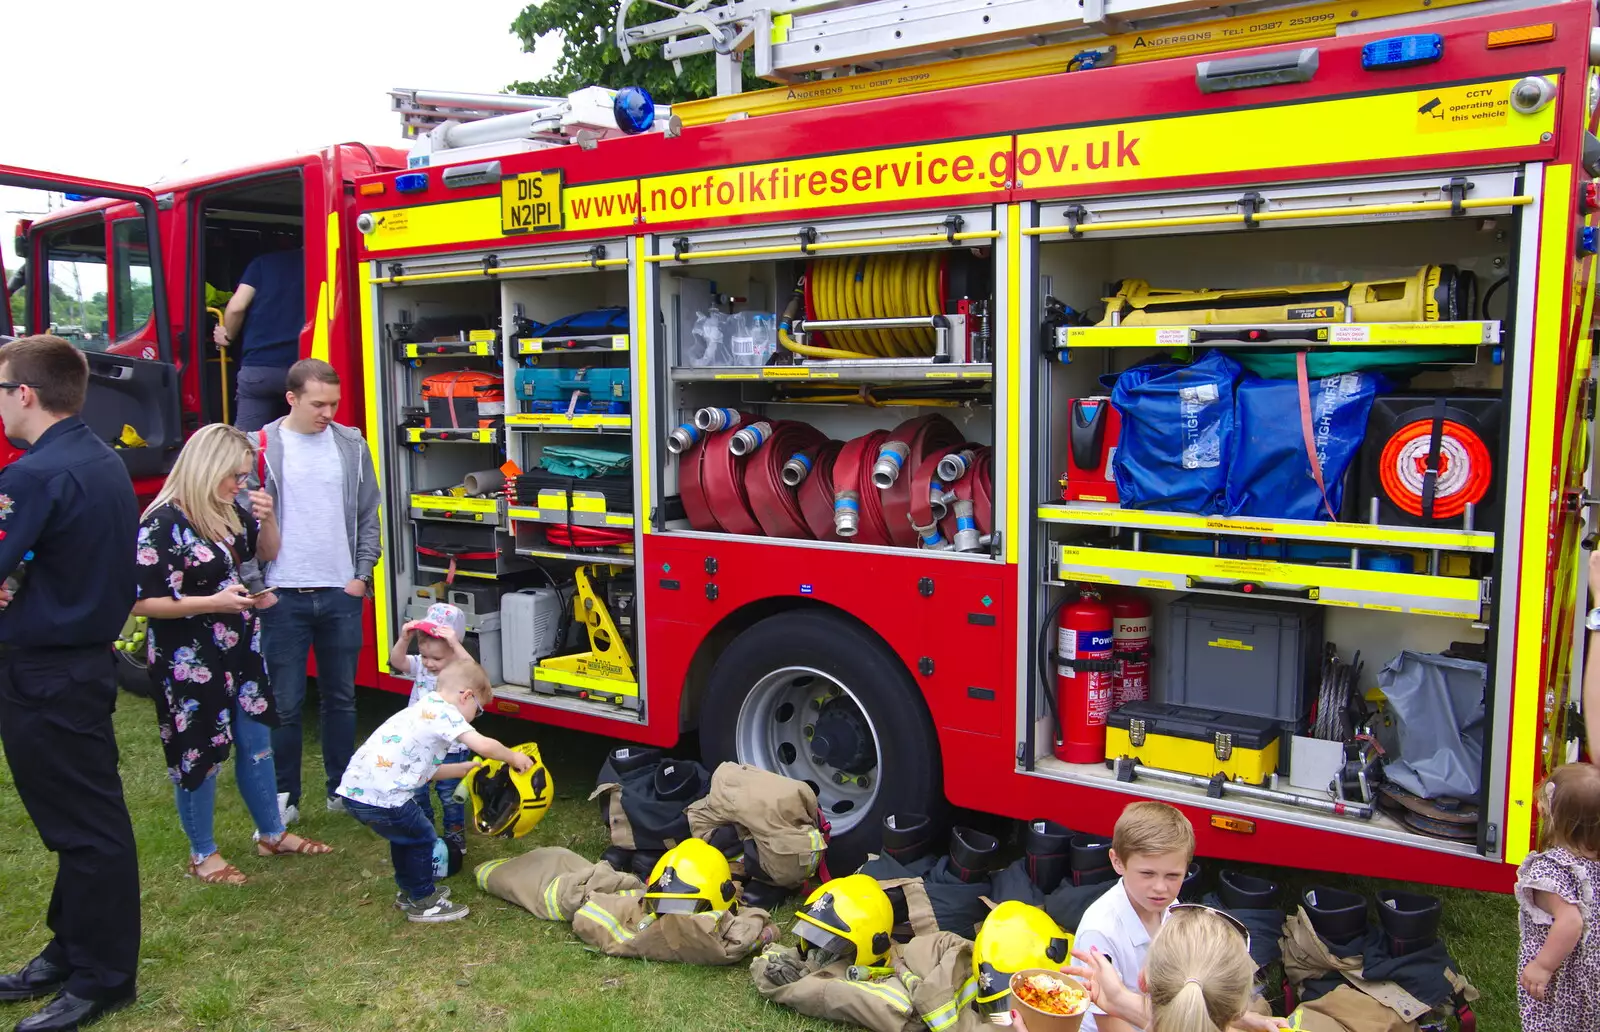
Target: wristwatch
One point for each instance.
(1592, 621)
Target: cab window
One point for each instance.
(131, 268)
(74, 301)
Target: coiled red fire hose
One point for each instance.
(918, 485)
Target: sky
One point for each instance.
(152, 89)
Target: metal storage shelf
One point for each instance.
(552, 508)
(555, 680)
(515, 696)
(443, 435)
(602, 344)
(904, 371)
(1359, 534)
(1460, 598)
(560, 421)
(614, 558)
(1331, 335)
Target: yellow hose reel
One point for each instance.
(1435, 293)
(902, 285)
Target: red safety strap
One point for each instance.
(450, 573)
(1307, 431)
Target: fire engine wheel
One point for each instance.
(819, 699)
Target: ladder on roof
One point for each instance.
(422, 111)
(789, 38)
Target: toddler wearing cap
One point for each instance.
(438, 636)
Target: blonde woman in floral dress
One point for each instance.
(212, 693)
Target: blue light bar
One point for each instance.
(1403, 51)
(76, 196)
(411, 182)
(635, 109)
(1588, 240)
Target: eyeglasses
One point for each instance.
(1232, 921)
(241, 478)
(11, 385)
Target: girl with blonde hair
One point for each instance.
(1198, 977)
(204, 643)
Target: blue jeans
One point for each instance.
(411, 838)
(329, 621)
(253, 768)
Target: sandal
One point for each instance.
(307, 847)
(227, 874)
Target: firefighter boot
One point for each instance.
(1338, 916)
(1410, 920)
(1240, 891)
(972, 854)
(620, 859)
(1090, 860)
(908, 837)
(1192, 890)
(1044, 843)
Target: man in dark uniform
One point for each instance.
(68, 522)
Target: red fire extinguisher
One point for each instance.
(1083, 680)
(1130, 647)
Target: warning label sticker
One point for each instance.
(1231, 643)
(1479, 106)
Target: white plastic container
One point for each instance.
(529, 620)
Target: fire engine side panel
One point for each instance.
(949, 621)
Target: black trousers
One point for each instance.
(55, 724)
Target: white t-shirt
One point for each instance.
(401, 755)
(1113, 926)
(315, 550)
(422, 685)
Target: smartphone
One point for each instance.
(258, 594)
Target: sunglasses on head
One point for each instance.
(1233, 922)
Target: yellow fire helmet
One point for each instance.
(1014, 937)
(508, 804)
(690, 878)
(848, 919)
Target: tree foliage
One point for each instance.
(589, 55)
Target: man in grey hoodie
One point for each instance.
(320, 476)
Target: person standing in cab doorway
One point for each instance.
(320, 476)
(68, 519)
(264, 317)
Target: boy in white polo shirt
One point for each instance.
(1151, 848)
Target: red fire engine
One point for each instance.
(749, 419)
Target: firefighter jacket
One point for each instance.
(621, 926)
(1411, 987)
(930, 989)
(552, 883)
(637, 813)
(928, 897)
(1348, 1009)
(774, 817)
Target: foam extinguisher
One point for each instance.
(1130, 649)
(1083, 679)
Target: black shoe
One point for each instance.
(67, 1012)
(38, 978)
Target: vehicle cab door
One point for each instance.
(122, 326)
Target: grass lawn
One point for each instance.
(313, 943)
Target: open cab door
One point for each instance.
(133, 396)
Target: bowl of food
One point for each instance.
(1048, 1000)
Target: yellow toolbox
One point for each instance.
(1194, 740)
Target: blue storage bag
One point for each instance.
(1268, 471)
(1177, 422)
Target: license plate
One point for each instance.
(531, 203)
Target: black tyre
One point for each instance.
(817, 698)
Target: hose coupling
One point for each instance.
(750, 437)
(847, 513)
(709, 419)
(686, 436)
(954, 466)
(796, 469)
(967, 539)
(891, 457)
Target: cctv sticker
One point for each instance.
(1483, 105)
